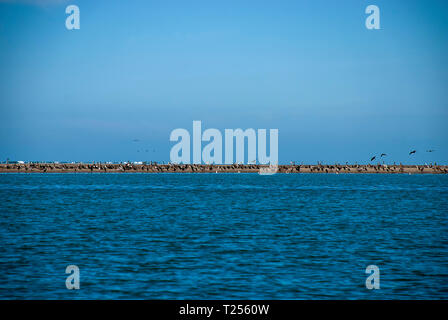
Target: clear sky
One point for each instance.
(336, 91)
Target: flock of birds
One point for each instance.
(371, 159)
(146, 150)
(410, 153)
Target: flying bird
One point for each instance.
(412, 152)
(430, 150)
(373, 158)
(383, 154)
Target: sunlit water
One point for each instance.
(217, 236)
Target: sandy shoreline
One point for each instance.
(234, 168)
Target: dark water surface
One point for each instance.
(212, 236)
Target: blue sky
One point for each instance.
(336, 91)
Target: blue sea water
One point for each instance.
(223, 236)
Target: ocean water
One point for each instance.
(223, 236)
